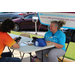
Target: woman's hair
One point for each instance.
(7, 25)
(59, 23)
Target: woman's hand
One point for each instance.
(48, 41)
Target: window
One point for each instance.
(29, 16)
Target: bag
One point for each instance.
(40, 42)
(34, 39)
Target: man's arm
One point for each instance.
(16, 45)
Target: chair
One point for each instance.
(25, 35)
(68, 39)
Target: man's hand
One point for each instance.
(15, 38)
(17, 41)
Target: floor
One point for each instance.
(17, 54)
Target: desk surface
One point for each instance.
(29, 48)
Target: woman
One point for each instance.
(56, 37)
(5, 40)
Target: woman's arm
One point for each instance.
(57, 45)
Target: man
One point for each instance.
(6, 40)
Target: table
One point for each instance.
(29, 48)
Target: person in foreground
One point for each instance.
(56, 37)
(5, 40)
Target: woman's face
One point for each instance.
(53, 28)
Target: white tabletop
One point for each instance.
(23, 38)
(29, 48)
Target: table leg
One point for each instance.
(22, 56)
(42, 55)
(30, 57)
(11, 51)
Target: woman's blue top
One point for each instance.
(59, 37)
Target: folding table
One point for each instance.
(29, 48)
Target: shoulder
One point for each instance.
(48, 32)
(61, 33)
(6, 36)
(3, 34)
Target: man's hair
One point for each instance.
(7, 25)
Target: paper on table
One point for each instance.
(29, 42)
(23, 44)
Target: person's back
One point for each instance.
(1, 42)
(6, 40)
